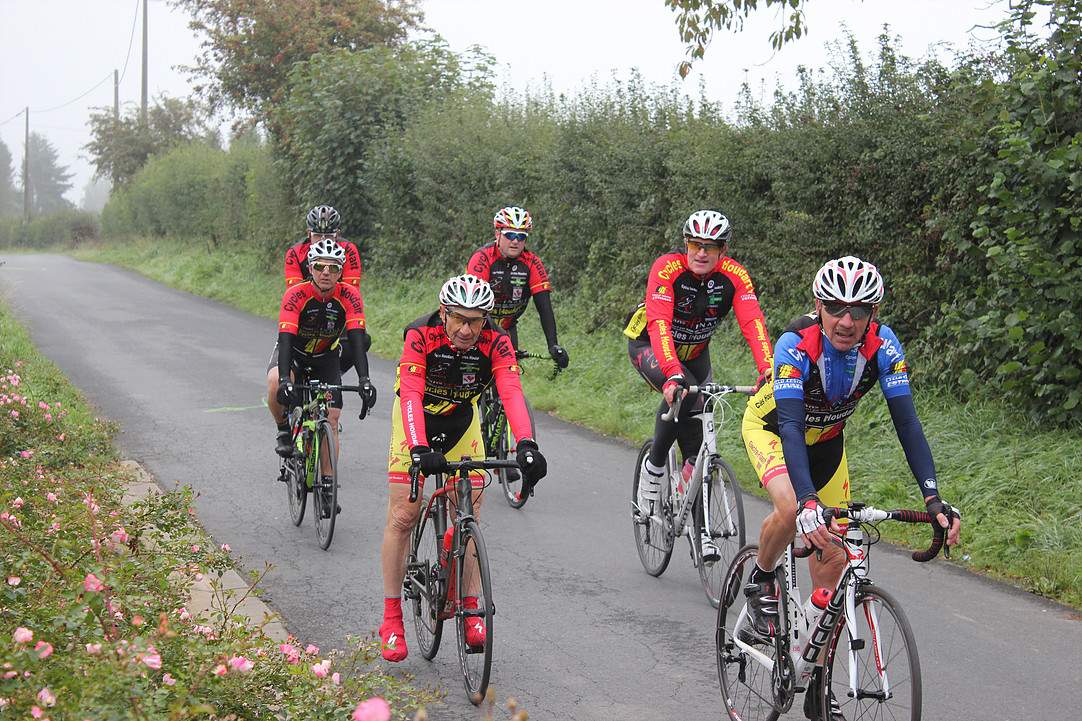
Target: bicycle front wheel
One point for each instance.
(474, 612)
(296, 488)
(424, 586)
(653, 533)
(745, 672)
(883, 661)
(725, 512)
(325, 487)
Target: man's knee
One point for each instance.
(402, 516)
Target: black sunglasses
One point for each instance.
(857, 311)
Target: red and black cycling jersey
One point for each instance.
(319, 321)
(437, 379)
(513, 282)
(296, 267)
(682, 311)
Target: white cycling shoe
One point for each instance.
(711, 552)
(649, 489)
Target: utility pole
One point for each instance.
(116, 96)
(144, 105)
(26, 169)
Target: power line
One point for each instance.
(64, 105)
(131, 40)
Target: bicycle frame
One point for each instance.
(463, 488)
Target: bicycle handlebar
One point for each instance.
(869, 514)
(708, 389)
(319, 386)
(556, 369)
(464, 466)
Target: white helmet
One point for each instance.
(467, 291)
(848, 280)
(708, 225)
(326, 249)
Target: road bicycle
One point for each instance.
(860, 651)
(447, 571)
(680, 509)
(313, 467)
(496, 433)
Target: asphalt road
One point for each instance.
(581, 631)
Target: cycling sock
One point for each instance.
(758, 574)
(392, 607)
(391, 631)
(654, 470)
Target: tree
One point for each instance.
(95, 194)
(698, 20)
(249, 46)
(9, 204)
(48, 179)
(119, 148)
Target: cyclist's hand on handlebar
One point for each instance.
(946, 516)
(673, 385)
(559, 355)
(533, 464)
(368, 396)
(811, 524)
(285, 395)
(429, 461)
(765, 376)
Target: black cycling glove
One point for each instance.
(368, 396)
(429, 461)
(285, 393)
(559, 355)
(533, 464)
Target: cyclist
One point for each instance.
(825, 362)
(448, 359)
(687, 295)
(312, 319)
(324, 223)
(516, 275)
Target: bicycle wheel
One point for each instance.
(423, 586)
(725, 509)
(885, 664)
(325, 488)
(296, 489)
(473, 603)
(746, 676)
(653, 534)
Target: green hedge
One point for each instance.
(67, 228)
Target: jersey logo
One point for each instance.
(468, 378)
(899, 367)
(788, 371)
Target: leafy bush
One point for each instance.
(65, 228)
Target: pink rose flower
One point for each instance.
(47, 697)
(120, 535)
(18, 502)
(153, 660)
(22, 635)
(311, 649)
(93, 584)
(182, 614)
(168, 680)
(322, 668)
(336, 678)
(15, 415)
(220, 670)
(240, 663)
(45, 650)
(51, 497)
(93, 648)
(225, 547)
(14, 580)
(374, 709)
(36, 712)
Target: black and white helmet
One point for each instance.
(848, 280)
(467, 291)
(326, 249)
(323, 219)
(708, 225)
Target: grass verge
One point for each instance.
(93, 623)
(1014, 480)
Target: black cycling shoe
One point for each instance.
(512, 474)
(811, 701)
(762, 611)
(285, 444)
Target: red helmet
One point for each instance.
(513, 218)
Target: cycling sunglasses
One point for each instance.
(318, 267)
(694, 246)
(856, 311)
(515, 235)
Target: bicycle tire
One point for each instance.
(746, 684)
(296, 488)
(423, 585)
(727, 526)
(325, 487)
(654, 557)
(475, 671)
(892, 648)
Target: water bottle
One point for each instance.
(815, 604)
(681, 481)
(448, 540)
